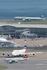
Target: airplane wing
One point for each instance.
(6, 42)
(10, 61)
(8, 53)
(31, 53)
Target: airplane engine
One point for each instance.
(3, 54)
(33, 53)
(2, 45)
(16, 61)
(10, 62)
(20, 55)
(8, 54)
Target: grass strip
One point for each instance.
(3, 67)
(36, 51)
(10, 50)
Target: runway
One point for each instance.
(26, 65)
(37, 62)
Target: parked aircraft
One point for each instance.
(4, 41)
(19, 31)
(10, 60)
(21, 52)
(28, 34)
(29, 18)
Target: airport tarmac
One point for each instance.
(31, 42)
(26, 65)
(37, 62)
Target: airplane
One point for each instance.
(20, 52)
(28, 34)
(10, 60)
(4, 41)
(30, 18)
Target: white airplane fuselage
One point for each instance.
(14, 59)
(18, 52)
(2, 39)
(10, 60)
(30, 18)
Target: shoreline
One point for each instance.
(8, 21)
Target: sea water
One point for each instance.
(28, 8)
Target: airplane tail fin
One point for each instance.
(26, 56)
(24, 45)
(43, 16)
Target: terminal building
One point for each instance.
(15, 30)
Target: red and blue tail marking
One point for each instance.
(26, 56)
(24, 45)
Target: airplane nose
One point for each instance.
(12, 53)
(4, 59)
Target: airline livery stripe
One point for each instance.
(25, 44)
